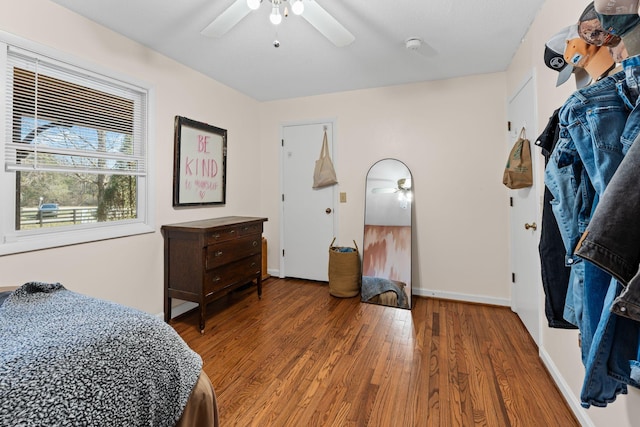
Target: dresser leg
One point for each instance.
(203, 312)
(259, 285)
(167, 309)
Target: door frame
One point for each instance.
(335, 194)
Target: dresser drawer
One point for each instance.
(225, 252)
(254, 228)
(245, 269)
(222, 235)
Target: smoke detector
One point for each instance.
(413, 43)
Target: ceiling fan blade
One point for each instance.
(227, 19)
(327, 24)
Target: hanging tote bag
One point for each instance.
(519, 172)
(345, 277)
(324, 175)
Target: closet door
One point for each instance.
(308, 222)
(525, 217)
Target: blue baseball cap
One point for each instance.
(619, 25)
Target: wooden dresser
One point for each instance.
(204, 260)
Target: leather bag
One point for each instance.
(324, 174)
(519, 170)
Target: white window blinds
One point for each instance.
(65, 119)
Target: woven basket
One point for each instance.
(345, 277)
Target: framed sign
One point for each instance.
(199, 164)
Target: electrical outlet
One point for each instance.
(343, 197)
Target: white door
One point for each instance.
(308, 215)
(524, 218)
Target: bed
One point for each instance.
(71, 360)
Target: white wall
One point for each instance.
(452, 135)
(559, 348)
(130, 270)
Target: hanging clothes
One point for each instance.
(555, 273)
(585, 158)
(590, 173)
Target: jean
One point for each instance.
(592, 124)
(564, 180)
(631, 79)
(599, 387)
(596, 117)
(554, 273)
(612, 240)
(611, 243)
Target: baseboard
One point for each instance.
(481, 299)
(462, 297)
(179, 309)
(566, 391)
(274, 272)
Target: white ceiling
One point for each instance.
(463, 37)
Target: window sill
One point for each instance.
(18, 243)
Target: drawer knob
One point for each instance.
(255, 243)
(216, 279)
(217, 253)
(216, 236)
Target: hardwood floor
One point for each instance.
(300, 357)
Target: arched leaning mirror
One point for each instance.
(386, 253)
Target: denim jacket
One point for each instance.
(554, 272)
(612, 240)
(612, 243)
(592, 122)
(566, 180)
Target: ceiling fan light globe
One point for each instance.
(275, 16)
(297, 7)
(253, 4)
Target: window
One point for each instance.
(75, 152)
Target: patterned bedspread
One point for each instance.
(71, 360)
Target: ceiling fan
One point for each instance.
(404, 185)
(319, 18)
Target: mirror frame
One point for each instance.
(387, 260)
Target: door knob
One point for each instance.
(533, 226)
(328, 210)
